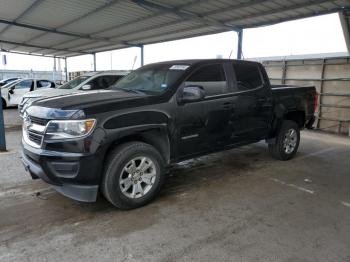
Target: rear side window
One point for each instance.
(248, 76)
(211, 78)
(43, 83)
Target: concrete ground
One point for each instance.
(239, 205)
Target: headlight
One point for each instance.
(68, 129)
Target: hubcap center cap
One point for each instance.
(137, 177)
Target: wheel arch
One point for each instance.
(297, 116)
(156, 137)
(281, 113)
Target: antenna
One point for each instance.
(135, 58)
(230, 54)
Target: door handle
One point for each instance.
(262, 99)
(226, 105)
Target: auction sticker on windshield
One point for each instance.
(179, 67)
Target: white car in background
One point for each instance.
(86, 82)
(12, 93)
(9, 80)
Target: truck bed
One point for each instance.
(296, 98)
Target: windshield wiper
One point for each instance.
(135, 91)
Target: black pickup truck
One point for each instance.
(119, 141)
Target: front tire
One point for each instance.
(134, 175)
(287, 141)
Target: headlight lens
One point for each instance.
(67, 129)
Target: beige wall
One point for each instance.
(330, 76)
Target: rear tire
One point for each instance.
(133, 176)
(287, 141)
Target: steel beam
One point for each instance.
(142, 54)
(181, 7)
(345, 23)
(31, 54)
(25, 12)
(160, 13)
(42, 47)
(65, 68)
(240, 42)
(94, 57)
(104, 6)
(54, 31)
(183, 14)
(275, 11)
(2, 127)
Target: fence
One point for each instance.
(49, 75)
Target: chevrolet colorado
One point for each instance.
(119, 141)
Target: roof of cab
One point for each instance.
(202, 61)
(110, 72)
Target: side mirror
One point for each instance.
(11, 90)
(191, 94)
(86, 87)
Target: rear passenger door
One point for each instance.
(204, 125)
(252, 105)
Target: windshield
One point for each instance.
(152, 79)
(11, 83)
(74, 83)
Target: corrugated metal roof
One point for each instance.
(73, 27)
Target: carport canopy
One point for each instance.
(66, 28)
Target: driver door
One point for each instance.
(16, 94)
(203, 126)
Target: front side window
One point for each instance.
(247, 76)
(152, 79)
(25, 84)
(211, 77)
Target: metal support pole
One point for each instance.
(54, 69)
(284, 72)
(319, 109)
(94, 54)
(142, 55)
(239, 47)
(65, 68)
(2, 127)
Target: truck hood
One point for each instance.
(49, 92)
(92, 102)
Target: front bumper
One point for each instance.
(71, 174)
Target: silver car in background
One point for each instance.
(86, 82)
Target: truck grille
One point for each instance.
(33, 130)
(38, 121)
(36, 138)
